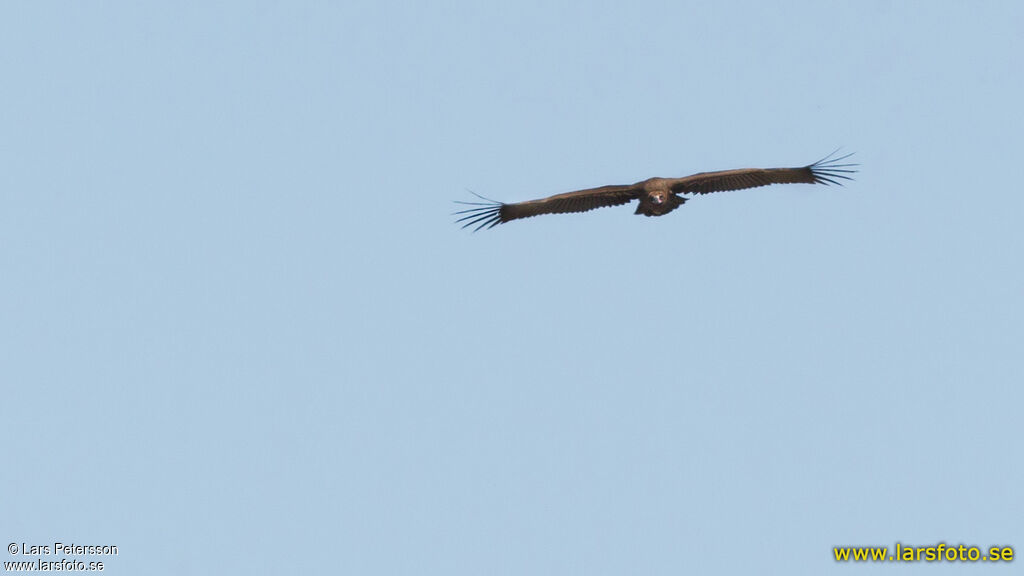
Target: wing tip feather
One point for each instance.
(483, 215)
(831, 170)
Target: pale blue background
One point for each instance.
(239, 332)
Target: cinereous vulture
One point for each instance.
(657, 196)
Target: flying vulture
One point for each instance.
(657, 196)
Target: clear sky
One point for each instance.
(240, 333)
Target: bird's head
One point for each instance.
(658, 200)
(657, 191)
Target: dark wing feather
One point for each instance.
(490, 213)
(826, 171)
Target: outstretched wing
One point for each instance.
(489, 213)
(826, 171)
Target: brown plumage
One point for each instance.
(657, 196)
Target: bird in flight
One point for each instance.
(657, 196)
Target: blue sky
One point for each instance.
(240, 333)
